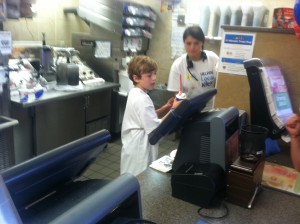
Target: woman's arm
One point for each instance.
(295, 151)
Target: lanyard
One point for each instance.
(192, 75)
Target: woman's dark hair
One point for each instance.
(197, 33)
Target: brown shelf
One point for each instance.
(258, 29)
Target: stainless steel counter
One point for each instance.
(59, 117)
(54, 95)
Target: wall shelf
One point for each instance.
(258, 29)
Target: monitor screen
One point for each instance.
(277, 94)
(41, 175)
(270, 105)
(186, 109)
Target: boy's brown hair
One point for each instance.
(139, 65)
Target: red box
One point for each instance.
(283, 18)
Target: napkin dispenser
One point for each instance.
(67, 74)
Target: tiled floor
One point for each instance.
(107, 165)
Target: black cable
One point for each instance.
(81, 81)
(223, 205)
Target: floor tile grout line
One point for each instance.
(107, 164)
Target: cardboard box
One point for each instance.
(283, 18)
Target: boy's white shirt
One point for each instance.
(139, 120)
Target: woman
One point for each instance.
(197, 67)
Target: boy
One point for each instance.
(140, 117)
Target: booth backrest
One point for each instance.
(8, 211)
(33, 179)
(117, 200)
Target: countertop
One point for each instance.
(159, 206)
(54, 95)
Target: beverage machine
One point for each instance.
(118, 31)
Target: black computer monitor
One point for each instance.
(41, 175)
(211, 137)
(185, 110)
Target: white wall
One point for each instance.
(51, 20)
(59, 27)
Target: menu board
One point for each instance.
(282, 178)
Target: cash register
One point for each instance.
(208, 145)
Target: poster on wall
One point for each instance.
(178, 27)
(166, 6)
(235, 49)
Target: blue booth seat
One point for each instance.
(44, 189)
